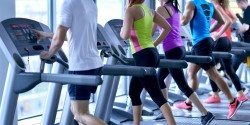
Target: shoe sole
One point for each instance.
(211, 102)
(189, 109)
(210, 120)
(240, 103)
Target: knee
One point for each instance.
(162, 84)
(187, 90)
(135, 98)
(214, 75)
(78, 112)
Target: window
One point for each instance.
(157, 3)
(109, 9)
(31, 103)
(33, 9)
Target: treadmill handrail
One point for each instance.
(165, 63)
(223, 55)
(118, 70)
(168, 63)
(238, 51)
(193, 58)
(89, 80)
(198, 59)
(30, 80)
(247, 50)
(216, 54)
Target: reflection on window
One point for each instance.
(33, 9)
(157, 3)
(109, 9)
(31, 103)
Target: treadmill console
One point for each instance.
(101, 41)
(116, 26)
(23, 37)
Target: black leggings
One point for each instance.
(223, 44)
(237, 60)
(148, 57)
(177, 74)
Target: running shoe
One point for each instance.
(212, 99)
(205, 120)
(233, 108)
(183, 105)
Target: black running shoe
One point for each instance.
(205, 120)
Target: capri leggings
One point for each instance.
(148, 57)
(223, 44)
(177, 74)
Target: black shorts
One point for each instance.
(204, 48)
(81, 92)
(223, 44)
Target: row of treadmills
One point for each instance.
(18, 41)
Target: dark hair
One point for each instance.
(224, 3)
(174, 3)
(132, 2)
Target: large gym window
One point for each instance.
(31, 103)
(109, 9)
(33, 9)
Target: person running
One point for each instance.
(200, 13)
(244, 29)
(137, 26)
(223, 44)
(174, 49)
(78, 19)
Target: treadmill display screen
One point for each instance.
(20, 32)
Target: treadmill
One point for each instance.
(111, 72)
(113, 29)
(17, 40)
(119, 114)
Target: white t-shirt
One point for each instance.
(80, 16)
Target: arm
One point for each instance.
(218, 17)
(240, 18)
(160, 21)
(57, 42)
(221, 17)
(243, 28)
(43, 35)
(127, 24)
(233, 18)
(188, 13)
(245, 23)
(162, 11)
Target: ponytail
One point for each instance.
(175, 4)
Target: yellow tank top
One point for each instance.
(141, 34)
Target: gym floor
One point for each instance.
(184, 117)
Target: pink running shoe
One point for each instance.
(183, 105)
(212, 99)
(242, 98)
(233, 108)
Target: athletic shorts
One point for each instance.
(204, 48)
(82, 92)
